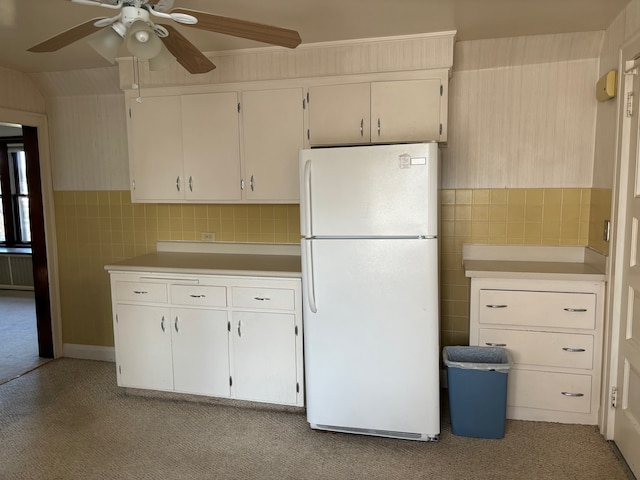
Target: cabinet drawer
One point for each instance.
(263, 298)
(542, 348)
(549, 391)
(199, 295)
(543, 309)
(141, 292)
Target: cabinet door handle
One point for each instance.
(178, 183)
(379, 127)
(162, 324)
(491, 344)
(262, 299)
(569, 309)
(496, 306)
(175, 325)
(573, 350)
(140, 292)
(251, 183)
(197, 296)
(239, 328)
(572, 394)
(362, 127)
(190, 183)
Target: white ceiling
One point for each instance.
(24, 23)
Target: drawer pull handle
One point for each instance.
(571, 394)
(197, 296)
(496, 306)
(568, 309)
(262, 299)
(491, 344)
(573, 350)
(140, 292)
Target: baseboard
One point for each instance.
(89, 352)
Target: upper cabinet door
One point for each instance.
(273, 133)
(211, 146)
(405, 111)
(339, 114)
(155, 145)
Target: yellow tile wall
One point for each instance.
(558, 216)
(95, 228)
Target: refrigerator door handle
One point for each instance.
(311, 289)
(307, 197)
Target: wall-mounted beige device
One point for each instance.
(606, 86)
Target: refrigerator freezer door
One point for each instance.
(371, 191)
(372, 347)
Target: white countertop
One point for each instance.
(249, 260)
(552, 263)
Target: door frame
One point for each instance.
(39, 121)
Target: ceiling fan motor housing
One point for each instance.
(133, 14)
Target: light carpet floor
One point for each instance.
(18, 334)
(68, 420)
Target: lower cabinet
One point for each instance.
(185, 334)
(264, 363)
(553, 330)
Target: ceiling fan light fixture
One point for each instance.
(162, 60)
(142, 42)
(107, 42)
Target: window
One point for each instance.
(15, 229)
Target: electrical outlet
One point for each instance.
(208, 236)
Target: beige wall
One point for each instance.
(18, 92)
(522, 131)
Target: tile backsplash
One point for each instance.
(95, 228)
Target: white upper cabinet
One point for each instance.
(340, 114)
(377, 112)
(405, 111)
(211, 146)
(155, 147)
(185, 148)
(239, 143)
(273, 129)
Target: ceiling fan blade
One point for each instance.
(244, 29)
(67, 37)
(192, 59)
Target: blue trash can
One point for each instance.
(477, 380)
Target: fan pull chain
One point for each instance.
(136, 78)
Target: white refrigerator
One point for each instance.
(369, 218)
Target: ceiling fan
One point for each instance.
(160, 43)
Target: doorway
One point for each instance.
(46, 297)
(26, 334)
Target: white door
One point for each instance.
(144, 347)
(211, 146)
(273, 129)
(264, 357)
(625, 371)
(389, 190)
(339, 114)
(200, 340)
(405, 111)
(155, 143)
